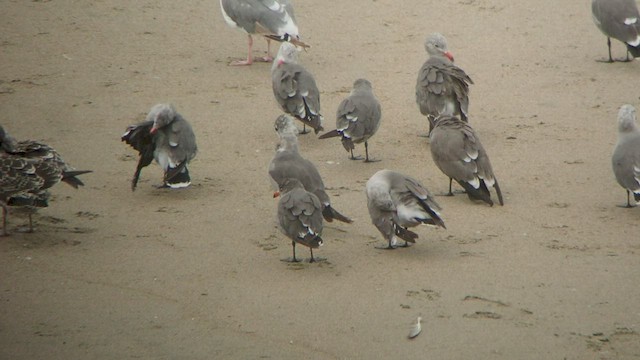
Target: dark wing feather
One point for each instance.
(18, 176)
(48, 163)
(140, 138)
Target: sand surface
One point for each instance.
(196, 273)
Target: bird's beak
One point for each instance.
(449, 55)
(276, 194)
(153, 130)
(299, 44)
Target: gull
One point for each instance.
(169, 139)
(357, 119)
(397, 202)
(626, 155)
(442, 88)
(274, 19)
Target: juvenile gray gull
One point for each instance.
(397, 202)
(357, 119)
(618, 19)
(626, 155)
(300, 217)
(295, 88)
(442, 88)
(288, 163)
(169, 139)
(273, 19)
(27, 170)
(458, 153)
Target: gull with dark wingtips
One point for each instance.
(295, 89)
(357, 119)
(397, 202)
(618, 19)
(442, 88)
(169, 139)
(458, 153)
(273, 19)
(300, 217)
(288, 163)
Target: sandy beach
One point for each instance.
(195, 273)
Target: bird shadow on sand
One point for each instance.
(305, 264)
(48, 231)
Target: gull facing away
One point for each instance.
(273, 19)
(288, 163)
(295, 88)
(397, 202)
(618, 19)
(626, 155)
(300, 217)
(458, 153)
(169, 139)
(357, 119)
(27, 170)
(442, 88)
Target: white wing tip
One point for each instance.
(179, 185)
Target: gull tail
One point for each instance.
(481, 193)
(330, 213)
(330, 134)
(634, 50)
(70, 178)
(404, 234)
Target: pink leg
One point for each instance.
(267, 58)
(249, 60)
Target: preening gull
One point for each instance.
(397, 202)
(169, 139)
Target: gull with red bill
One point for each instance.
(442, 88)
(169, 139)
(287, 163)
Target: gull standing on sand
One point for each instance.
(397, 202)
(618, 19)
(27, 170)
(442, 88)
(626, 155)
(274, 19)
(458, 153)
(295, 88)
(169, 139)
(300, 217)
(288, 163)
(357, 119)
